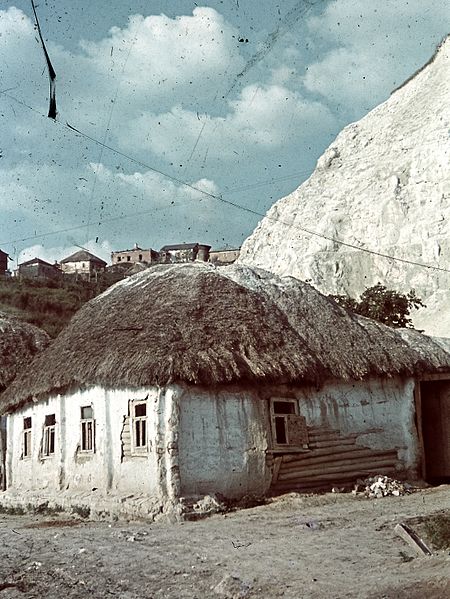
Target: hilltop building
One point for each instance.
(3, 263)
(184, 252)
(39, 269)
(134, 256)
(83, 265)
(224, 257)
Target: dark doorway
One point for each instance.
(435, 405)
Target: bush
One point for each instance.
(382, 304)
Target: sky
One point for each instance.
(191, 118)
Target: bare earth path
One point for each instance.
(298, 546)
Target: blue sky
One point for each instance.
(175, 86)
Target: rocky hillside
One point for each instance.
(382, 185)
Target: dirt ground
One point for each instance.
(333, 545)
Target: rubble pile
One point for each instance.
(376, 487)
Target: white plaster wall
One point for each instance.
(359, 406)
(223, 442)
(32, 473)
(69, 469)
(76, 267)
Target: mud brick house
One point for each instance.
(135, 255)
(223, 257)
(186, 380)
(184, 252)
(83, 265)
(3, 263)
(38, 269)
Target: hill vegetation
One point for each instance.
(385, 305)
(47, 304)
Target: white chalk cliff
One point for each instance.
(383, 185)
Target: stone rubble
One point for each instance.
(376, 487)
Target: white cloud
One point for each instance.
(50, 254)
(261, 119)
(374, 47)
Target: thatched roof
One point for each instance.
(435, 349)
(19, 342)
(197, 324)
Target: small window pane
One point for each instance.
(144, 433)
(27, 423)
(87, 413)
(280, 430)
(140, 409)
(284, 407)
(52, 441)
(50, 420)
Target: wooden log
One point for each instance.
(324, 451)
(276, 469)
(328, 434)
(320, 444)
(348, 466)
(413, 540)
(335, 457)
(332, 479)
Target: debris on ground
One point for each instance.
(376, 487)
(232, 587)
(413, 540)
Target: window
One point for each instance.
(140, 257)
(119, 259)
(87, 429)
(140, 425)
(128, 258)
(288, 427)
(49, 435)
(26, 442)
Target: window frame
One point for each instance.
(90, 431)
(49, 435)
(27, 439)
(274, 415)
(140, 422)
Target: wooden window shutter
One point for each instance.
(297, 430)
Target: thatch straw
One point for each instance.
(19, 342)
(196, 324)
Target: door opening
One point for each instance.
(435, 409)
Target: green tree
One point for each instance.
(382, 304)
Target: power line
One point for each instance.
(229, 202)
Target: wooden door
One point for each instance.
(435, 401)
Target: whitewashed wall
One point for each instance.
(199, 441)
(69, 468)
(223, 441)
(384, 405)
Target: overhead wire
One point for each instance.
(227, 202)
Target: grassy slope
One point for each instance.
(47, 305)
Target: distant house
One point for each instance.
(223, 257)
(3, 263)
(83, 264)
(38, 269)
(134, 256)
(184, 252)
